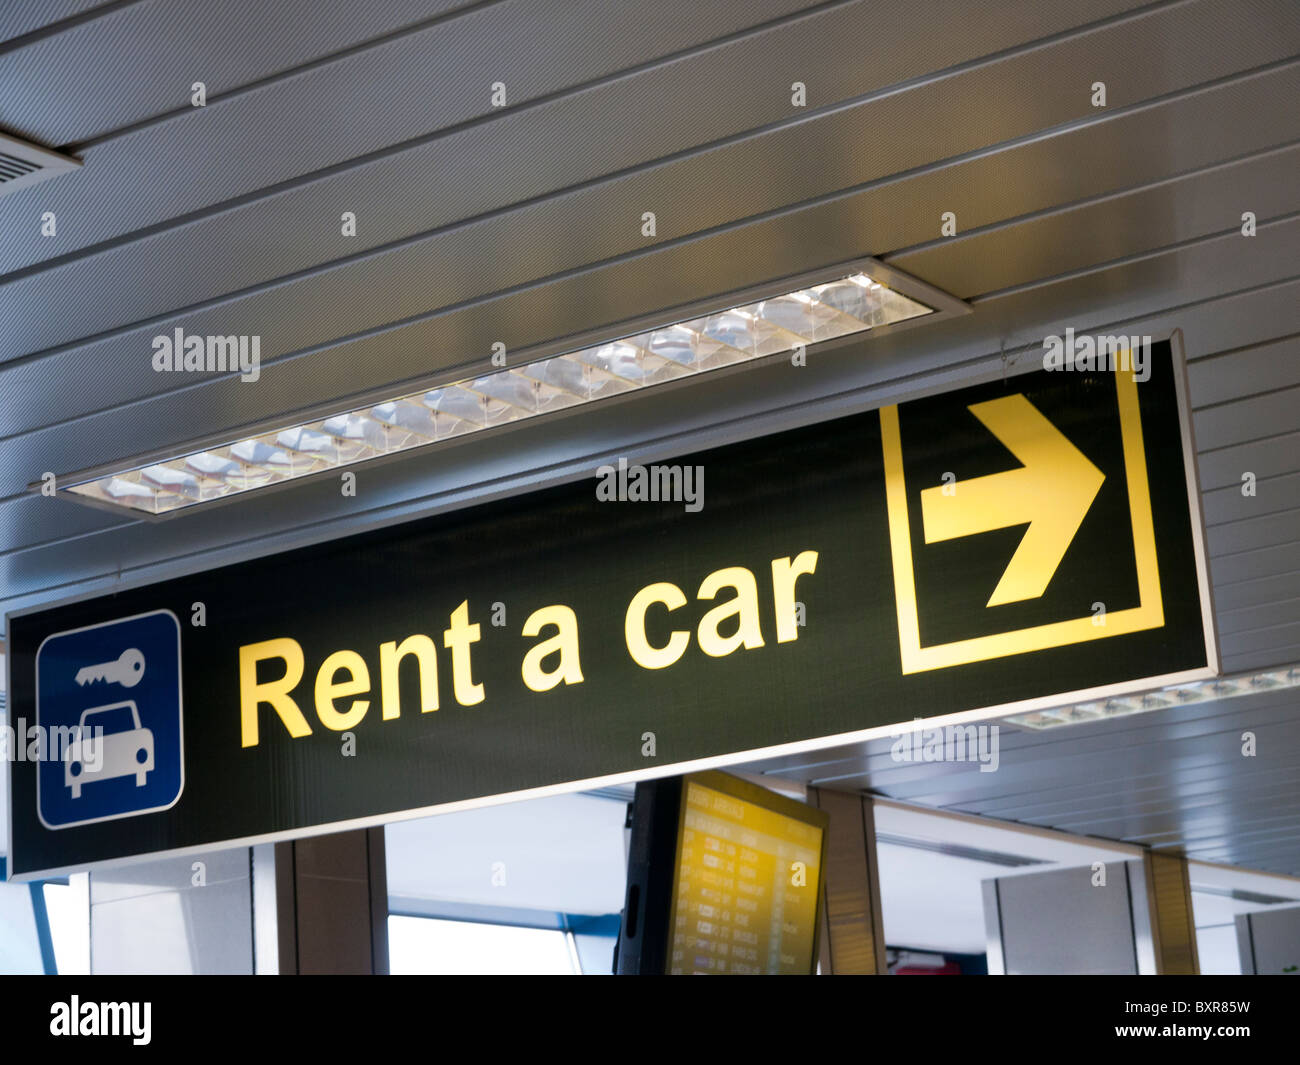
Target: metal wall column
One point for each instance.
(1169, 902)
(852, 932)
(332, 900)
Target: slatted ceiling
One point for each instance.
(1028, 751)
(1261, 639)
(1195, 790)
(939, 356)
(1249, 419)
(324, 288)
(1269, 457)
(1247, 595)
(710, 399)
(1110, 226)
(523, 225)
(1266, 530)
(1127, 780)
(862, 128)
(1251, 602)
(1268, 616)
(373, 100)
(1245, 372)
(406, 351)
(1259, 655)
(1227, 505)
(1261, 564)
(520, 154)
(48, 105)
(20, 19)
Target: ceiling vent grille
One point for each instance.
(23, 164)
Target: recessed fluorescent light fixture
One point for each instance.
(1201, 691)
(863, 297)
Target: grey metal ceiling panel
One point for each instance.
(665, 277)
(1236, 318)
(1248, 535)
(525, 152)
(523, 155)
(1244, 420)
(1265, 458)
(930, 349)
(1249, 595)
(1109, 227)
(1273, 495)
(247, 245)
(391, 286)
(1260, 641)
(1244, 372)
(1040, 771)
(20, 19)
(58, 90)
(1261, 657)
(1151, 794)
(1253, 565)
(366, 101)
(1169, 778)
(1029, 754)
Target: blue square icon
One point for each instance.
(108, 705)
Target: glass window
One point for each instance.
(419, 946)
(68, 908)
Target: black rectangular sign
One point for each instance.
(997, 547)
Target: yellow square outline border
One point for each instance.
(1148, 614)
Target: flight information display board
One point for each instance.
(745, 897)
(724, 877)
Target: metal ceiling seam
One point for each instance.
(1191, 744)
(1154, 788)
(1269, 579)
(288, 72)
(1135, 799)
(809, 118)
(664, 246)
(1265, 286)
(1196, 205)
(1153, 829)
(1239, 443)
(51, 29)
(1245, 572)
(968, 234)
(1127, 260)
(924, 782)
(343, 262)
(1197, 761)
(1291, 602)
(469, 9)
(1036, 797)
(479, 119)
(1288, 537)
(920, 376)
(1287, 507)
(1275, 649)
(1208, 364)
(851, 101)
(20, 549)
(1247, 397)
(1026, 830)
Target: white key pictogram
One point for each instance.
(126, 671)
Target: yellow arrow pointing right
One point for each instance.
(1051, 492)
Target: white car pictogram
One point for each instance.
(122, 753)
